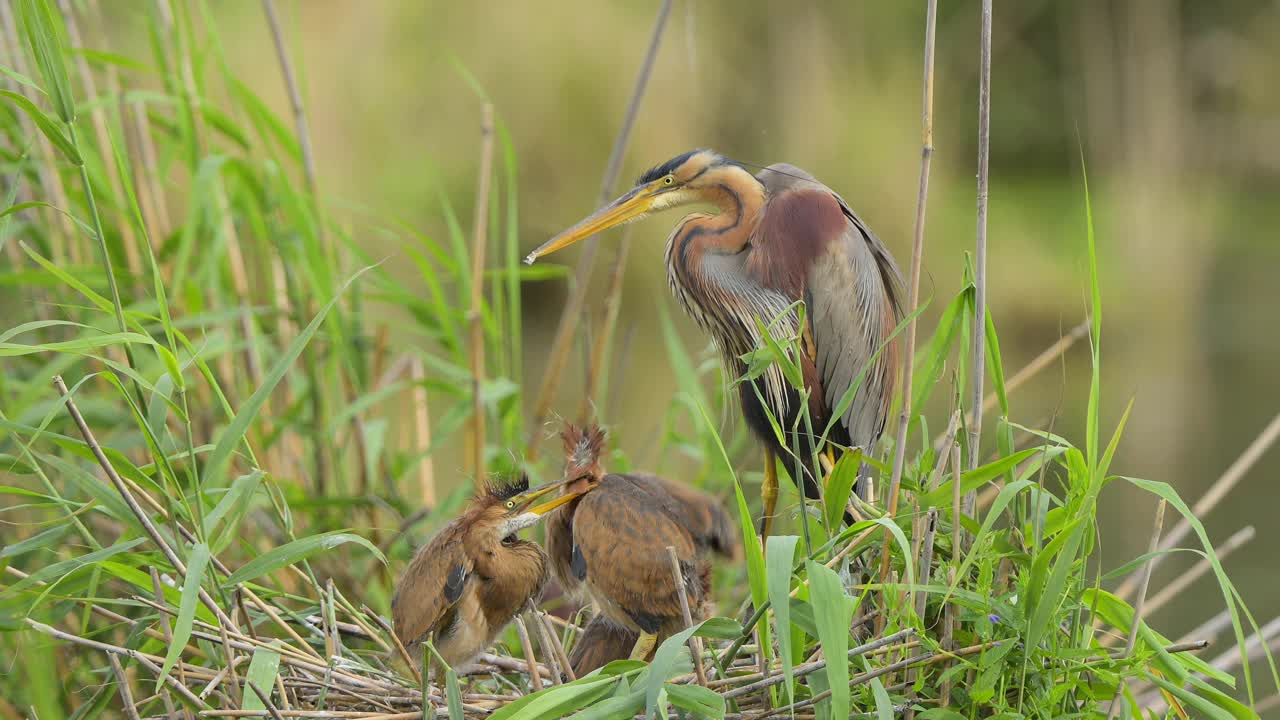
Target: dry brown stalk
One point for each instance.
(479, 241)
(979, 345)
(535, 679)
(807, 668)
(1142, 599)
(913, 297)
(695, 643)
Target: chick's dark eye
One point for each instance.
(510, 540)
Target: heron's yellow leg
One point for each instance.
(769, 493)
(828, 459)
(644, 645)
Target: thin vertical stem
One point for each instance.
(1141, 601)
(479, 241)
(558, 354)
(917, 253)
(422, 432)
(980, 257)
(695, 643)
(295, 98)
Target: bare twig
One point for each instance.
(695, 643)
(266, 700)
(295, 97)
(122, 684)
(558, 354)
(980, 256)
(401, 650)
(917, 258)
(1142, 598)
(422, 432)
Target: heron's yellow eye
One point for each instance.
(511, 504)
(669, 180)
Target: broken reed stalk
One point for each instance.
(1138, 606)
(475, 316)
(802, 670)
(1215, 494)
(142, 517)
(695, 643)
(421, 441)
(558, 354)
(978, 367)
(913, 296)
(551, 641)
(535, 678)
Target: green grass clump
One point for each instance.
(210, 520)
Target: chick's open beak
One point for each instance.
(631, 206)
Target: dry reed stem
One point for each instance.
(422, 431)
(913, 297)
(133, 260)
(978, 367)
(266, 700)
(957, 532)
(558, 354)
(535, 679)
(46, 170)
(475, 316)
(1138, 607)
(695, 644)
(295, 101)
(1216, 493)
(551, 641)
(400, 648)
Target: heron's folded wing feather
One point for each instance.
(623, 536)
(430, 587)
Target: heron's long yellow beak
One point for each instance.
(631, 206)
(524, 502)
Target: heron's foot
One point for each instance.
(644, 646)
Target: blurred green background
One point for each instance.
(1175, 105)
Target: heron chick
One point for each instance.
(609, 539)
(471, 579)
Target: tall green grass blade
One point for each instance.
(702, 702)
(44, 33)
(196, 566)
(884, 706)
(664, 659)
(832, 611)
(840, 486)
(295, 551)
(46, 125)
(263, 669)
(779, 555)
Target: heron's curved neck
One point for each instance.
(739, 197)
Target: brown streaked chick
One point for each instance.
(471, 579)
(608, 540)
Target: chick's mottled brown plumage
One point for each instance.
(611, 545)
(469, 581)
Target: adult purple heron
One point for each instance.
(777, 238)
(609, 539)
(472, 578)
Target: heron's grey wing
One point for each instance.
(852, 296)
(429, 590)
(622, 537)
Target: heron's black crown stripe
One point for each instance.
(666, 168)
(507, 488)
